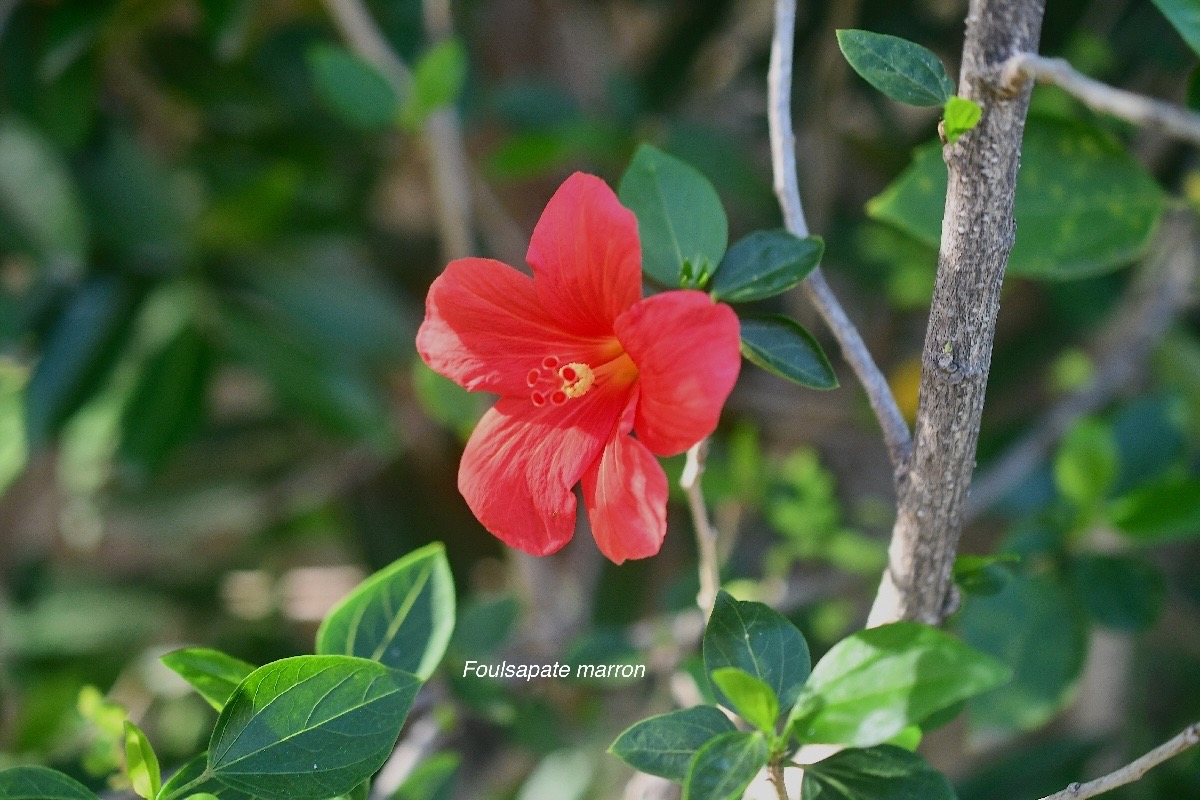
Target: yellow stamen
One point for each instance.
(577, 378)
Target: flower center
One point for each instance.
(553, 384)
(577, 378)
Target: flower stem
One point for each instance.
(775, 773)
(706, 534)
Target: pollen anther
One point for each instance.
(577, 379)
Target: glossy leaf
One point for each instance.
(872, 685)
(764, 264)
(1084, 206)
(724, 767)
(903, 70)
(752, 699)
(758, 640)
(959, 116)
(782, 346)
(310, 727)
(1123, 593)
(39, 198)
(1160, 512)
(1037, 627)
(212, 673)
(665, 744)
(189, 780)
(141, 763)
(1185, 16)
(879, 773)
(402, 616)
(352, 88)
(681, 221)
(40, 783)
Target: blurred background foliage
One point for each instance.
(217, 225)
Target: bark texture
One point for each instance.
(977, 234)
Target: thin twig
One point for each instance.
(1132, 771)
(1161, 292)
(783, 160)
(775, 773)
(706, 534)
(1138, 109)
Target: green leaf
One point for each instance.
(352, 89)
(903, 70)
(724, 767)
(1185, 16)
(310, 727)
(1122, 593)
(983, 574)
(758, 640)
(432, 779)
(203, 796)
(212, 673)
(193, 779)
(1084, 206)
(1085, 466)
(782, 346)
(960, 115)
(878, 773)
(752, 699)
(166, 407)
(1160, 512)
(402, 616)
(873, 684)
(680, 217)
(484, 626)
(664, 745)
(764, 264)
(40, 783)
(437, 79)
(39, 197)
(141, 764)
(1037, 627)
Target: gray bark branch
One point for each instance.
(977, 234)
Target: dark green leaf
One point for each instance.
(484, 626)
(167, 406)
(1037, 627)
(190, 780)
(879, 773)
(983, 574)
(310, 727)
(1185, 16)
(402, 616)
(903, 70)
(1193, 90)
(437, 79)
(752, 699)
(1084, 206)
(432, 779)
(758, 640)
(212, 673)
(960, 115)
(39, 198)
(724, 767)
(83, 345)
(40, 783)
(1086, 463)
(680, 217)
(873, 684)
(141, 763)
(1123, 593)
(765, 264)
(664, 745)
(781, 345)
(1160, 512)
(352, 89)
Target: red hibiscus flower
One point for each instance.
(580, 362)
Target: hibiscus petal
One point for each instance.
(586, 256)
(625, 493)
(521, 463)
(486, 330)
(687, 352)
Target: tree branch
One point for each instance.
(1133, 771)
(783, 162)
(1162, 290)
(706, 534)
(1138, 109)
(977, 235)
